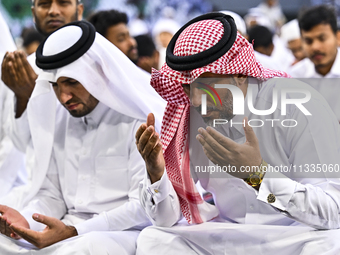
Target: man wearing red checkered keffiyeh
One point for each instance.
(210, 47)
(238, 59)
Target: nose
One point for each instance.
(132, 42)
(196, 97)
(317, 45)
(64, 95)
(54, 9)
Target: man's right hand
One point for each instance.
(9, 216)
(150, 147)
(19, 76)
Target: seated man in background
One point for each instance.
(148, 55)
(112, 25)
(276, 211)
(290, 34)
(94, 168)
(31, 38)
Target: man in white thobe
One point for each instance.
(278, 213)
(90, 193)
(12, 167)
(48, 16)
(321, 68)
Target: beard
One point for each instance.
(88, 106)
(224, 112)
(41, 30)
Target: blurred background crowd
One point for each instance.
(146, 26)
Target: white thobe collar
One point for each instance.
(335, 70)
(96, 115)
(236, 131)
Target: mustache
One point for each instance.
(318, 53)
(72, 101)
(132, 48)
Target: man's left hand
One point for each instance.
(223, 151)
(54, 232)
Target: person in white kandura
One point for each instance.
(12, 167)
(255, 211)
(19, 73)
(90, 193)
(321, 67)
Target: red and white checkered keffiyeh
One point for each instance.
(167, 82)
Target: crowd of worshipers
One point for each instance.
(97, 155)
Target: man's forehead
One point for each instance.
(317, 30)
(118, 29)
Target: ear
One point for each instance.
(338, 37)
(80, 11)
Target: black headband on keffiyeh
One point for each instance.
(189, 62)
(71, 54)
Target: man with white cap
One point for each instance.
(276, 211)
(90, 193)
(19, 74)
(265, 60)
(290, 34)
(162, 33)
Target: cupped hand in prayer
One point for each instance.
(223, 151)
(54, 232)
(11, 216)
(150, 147)
(19, 76)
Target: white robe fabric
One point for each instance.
(237, 239)
(19, 133)
(12, 168)
(304, 202)
(266, 61)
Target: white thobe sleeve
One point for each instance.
(19, 131)
(160, 201)
(48, 201)
(131, 214)
(310, 200)
(5, 141)
(311, 204)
